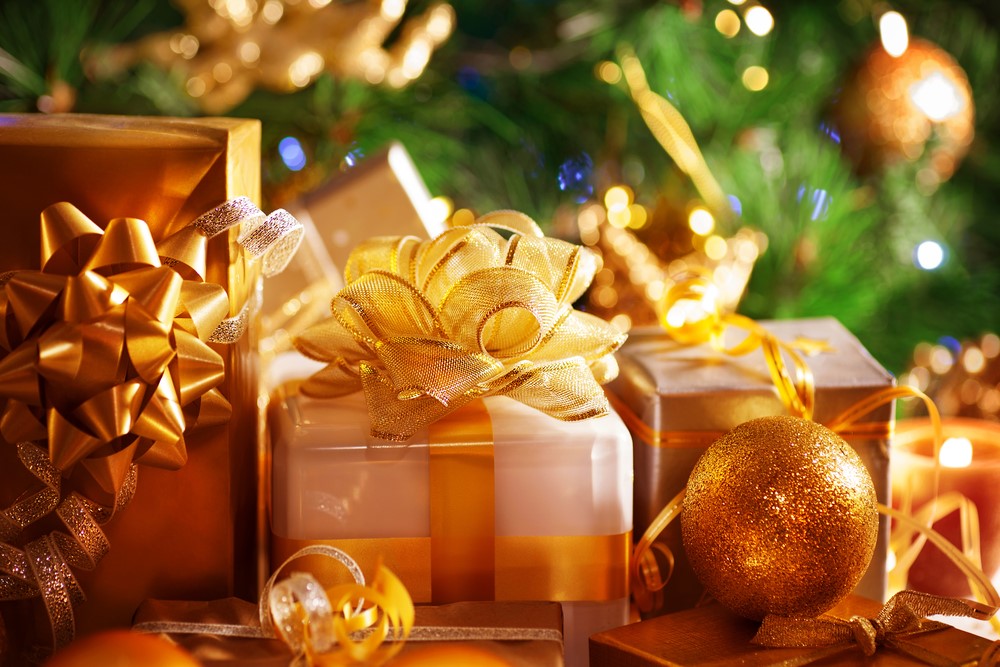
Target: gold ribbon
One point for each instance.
(690, 312)
(104, 355)
(424, 327)
(673, 133)
(902, 617)
(346, 624)
(462, 505)
(562, 568)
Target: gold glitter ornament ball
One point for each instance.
(899, 108)
(780, 517)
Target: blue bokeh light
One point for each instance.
(819, 199)
(292, 154)
(830, 131)
(353, 156)
(574, 176)
(736, 204)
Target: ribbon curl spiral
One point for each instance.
(424, 327)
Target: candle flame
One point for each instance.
(956, 453)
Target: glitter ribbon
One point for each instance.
(901, 618)
(424, 327)
(105, 357)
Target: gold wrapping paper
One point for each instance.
(166, 172)
(537, 626)
(678, 399)
(711, 636)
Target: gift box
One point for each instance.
(382, 195)
(712, 636)
(520, 634)
(678, 399)
(189, 532)
(496, 501)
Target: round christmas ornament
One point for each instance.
(894, 108)
(122, 648)
(780, 517)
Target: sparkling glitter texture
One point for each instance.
(780, 517)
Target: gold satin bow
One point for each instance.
(424, 327)
(902, 617)
(104, 355)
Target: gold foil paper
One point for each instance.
(166, 172)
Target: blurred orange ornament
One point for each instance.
(448, 655)
(896, 108)
(122, 648)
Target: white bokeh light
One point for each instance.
(929, 255)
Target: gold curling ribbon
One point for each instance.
(647, 578)
(673, 133)
(691, 314)
(104, 357)
(346, 624)
(535, 567)
(425, 327)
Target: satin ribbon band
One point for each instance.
(541, 567)
(670, 439)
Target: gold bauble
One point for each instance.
(122, 648)
(891, 108)
(780, 517)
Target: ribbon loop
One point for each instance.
(901, 618)
(139, 316)
(424, 327)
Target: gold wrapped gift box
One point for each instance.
(518, 634)
(711, 636)
(678, 399)
(187, 533)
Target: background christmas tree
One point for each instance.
(523, 107)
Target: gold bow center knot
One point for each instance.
(423, 327)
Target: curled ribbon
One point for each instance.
(104, 355)
(347, 624)
(424, 327)
(691, 314)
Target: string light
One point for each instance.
(929, 255)
(759, 20)
(893, 33)
(727, 22)
(755, 78)
(701, 221)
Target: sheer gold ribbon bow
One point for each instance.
(104, 359)
(424, 327)
(902, 617)
(348, 624)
